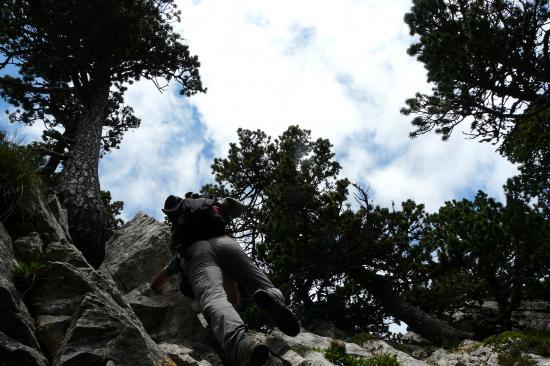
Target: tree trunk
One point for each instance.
(435, 330)
(79, 182)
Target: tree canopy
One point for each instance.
(489, 63)
(325, 256)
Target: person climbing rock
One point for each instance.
(213, 263)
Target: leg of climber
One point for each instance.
(241, 268)
(227, 326)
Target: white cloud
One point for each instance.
(163, 156)
(340, 70)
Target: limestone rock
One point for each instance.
(133, 257)
(59, 213)
(59, 289)
(29, 248)
(15, 320)
(530, 315)
(167, 317)
(50, 330)
(284, 352)
(533, 315)
(137, 252)
(41, 219)
(469, 355)
(103, 331)
(13, 353)
(63, 251)
(182, 356)
(370, 348)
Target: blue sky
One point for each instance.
(341, 71)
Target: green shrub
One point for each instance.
(515, 359)
(528, 342)
(17, 176)
(338, 356)
(24, 274)
(304, 350)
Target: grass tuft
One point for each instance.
(24, 274)
(17, 176)
(513, 346)
(338, 356)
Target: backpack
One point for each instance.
(195, 217)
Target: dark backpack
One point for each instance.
(195, 217)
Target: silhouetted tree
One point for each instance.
(349, 267)
(68, 65)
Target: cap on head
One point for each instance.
(171, 204)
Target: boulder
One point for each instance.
(168, 317)
(471, 354)
(102, 331)
(15, 320)
(63, 251)
(137, 252)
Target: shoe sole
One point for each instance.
(283, 317)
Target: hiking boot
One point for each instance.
(252, 351)
(277, 309)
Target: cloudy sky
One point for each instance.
(339, 69)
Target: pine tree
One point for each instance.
(68, 64)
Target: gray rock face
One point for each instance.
(15, 320)
(29, 248)
(102, 331)
(533, 315)
(469, 354)
(42, 220)
(137, 252)
(312, 341)
(133, 257)
(13, 353)
(168, 317)
(63, 251)
(530, 315)
(50, 330)
(183, 356)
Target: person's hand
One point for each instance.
(156, 289)
(149, 291)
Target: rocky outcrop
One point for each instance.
(80, 315)
(530, 315)
(110, 317)
(137, 252)
(16, 324)
(14, 353)
(534, 315)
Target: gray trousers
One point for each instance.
(209, 260)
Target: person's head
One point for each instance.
(171, 206)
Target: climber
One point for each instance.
(213, 263)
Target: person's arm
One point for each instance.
(160, 279)
(164, 275)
